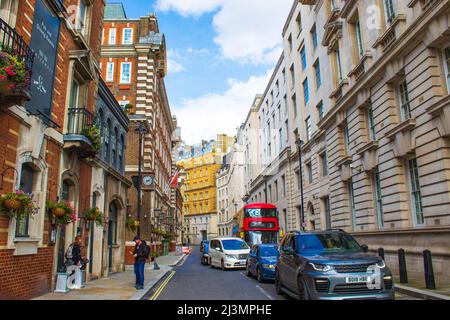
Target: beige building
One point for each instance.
(372, 79)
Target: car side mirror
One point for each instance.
(365, 248)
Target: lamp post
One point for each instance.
(141, 130)
(299, 142)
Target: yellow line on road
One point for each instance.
(161, 288)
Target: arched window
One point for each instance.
(107, 135)
(27, 176)
(101, 126)
(121, 151)
(114, 147)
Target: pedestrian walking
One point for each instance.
(73, 261)
(140, 254)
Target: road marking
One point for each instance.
(160, 289)
(183, 260)
(265, 293)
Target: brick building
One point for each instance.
(134, 64)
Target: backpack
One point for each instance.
(69, 252)
(146, 251)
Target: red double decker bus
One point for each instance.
(260, 223)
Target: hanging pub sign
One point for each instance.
(44, 43)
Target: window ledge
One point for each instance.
(371, 145)
(441, 111)
(348, 6)
(406, 125)
(26, 246)
(337, 93)
(360, 68)
(389, 36)
(344, 160)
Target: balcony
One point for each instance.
(82, 132)
(16, 63)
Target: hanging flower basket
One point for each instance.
(17, 204)
(132, 224)
(63, 212)
(94, 214)
(93, 133)
(14, 75)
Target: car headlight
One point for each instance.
(380, 264)
(268, 266)
(320, 267)
(230, 256)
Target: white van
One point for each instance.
(228, 253)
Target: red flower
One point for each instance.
(10, 71)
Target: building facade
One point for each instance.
(46, 151)
(367, 86)
(134, 64)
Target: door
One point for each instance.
(65, 196)
(112, 233)
(212, 251)
(291, 266)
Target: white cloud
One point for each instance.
(248, 31)
(211, 114)
(188, 7)
(174, 65)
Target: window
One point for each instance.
(371, 124)
(294, 105)
(338, 64)
(123, 103)
(26, 185)
(286, 124)
(112, 36)
(346, 139)
(351, 199)
(308, 128)
(327, 207)
(390, 12)
(359, 40)
(317, 72)
(292, 75)
(290, 42)
(314, 37)
(8, 11)
(283, 183)
(125, 72)
(306, 90)
(297, 178)
(276, 190)
(378, 198)
(303, 55)
(309, 172)
(82, 19)
(320, 110)
(447, 66)
(324, 162)
(299, 23)
(405, 110)
(416, 196)
(107, 136)
(127, 36)
(110, 71)
(332, 5)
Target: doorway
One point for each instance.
(112, 233)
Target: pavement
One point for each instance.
(120, 286)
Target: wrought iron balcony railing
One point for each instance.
(12, 42)
(79, 120)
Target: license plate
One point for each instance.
(242, 262)
(359, 279)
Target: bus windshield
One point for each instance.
(260, 213)
(261, 237)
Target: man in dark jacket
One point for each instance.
(140, 255)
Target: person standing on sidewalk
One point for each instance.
(140, 254)
(74, 258)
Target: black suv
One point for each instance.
(330, 265)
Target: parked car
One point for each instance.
(204, 249)
(261, 262)
(228, 253)
(330, 265)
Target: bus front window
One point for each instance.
(261, 237)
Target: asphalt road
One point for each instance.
(193, 281)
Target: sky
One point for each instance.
(221, 53)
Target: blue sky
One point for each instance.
(221, 54)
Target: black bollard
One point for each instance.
(428, 267)
(402, 266)
(381, 252)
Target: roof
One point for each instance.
(260, 206)
(114, 11)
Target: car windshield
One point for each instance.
(268, 251)
(234, 245)
(327, 243)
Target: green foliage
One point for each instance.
(26, 207)
(13, 71)
(93, 133)
(69, 215)
(94, 214)
(132, 224)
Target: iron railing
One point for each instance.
(79, 120)
(12, 42)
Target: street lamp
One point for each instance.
(299, 142)
(141, 130)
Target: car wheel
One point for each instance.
(278, 285)
(211, 264)
(223, 265)
(303, 293)
(248, 273)
(259, 276)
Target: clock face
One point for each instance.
(148, 180)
